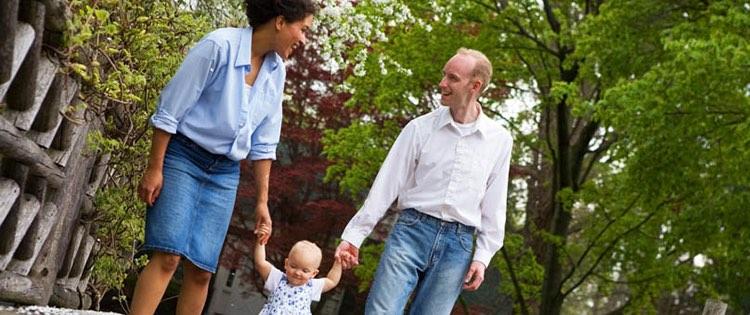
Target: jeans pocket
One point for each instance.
(467, 241)
(408, 217)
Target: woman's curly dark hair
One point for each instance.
(261, 11)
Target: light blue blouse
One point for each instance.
(206, 99)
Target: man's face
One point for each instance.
(458, 86)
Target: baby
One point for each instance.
(292, 291)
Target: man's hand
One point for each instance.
(348, 254)
(150, 185)
(474, 277)
(263, 224)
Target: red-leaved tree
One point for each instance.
(303, 207)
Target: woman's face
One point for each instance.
(292, 35)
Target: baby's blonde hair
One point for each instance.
(482, 66)
(309, 250)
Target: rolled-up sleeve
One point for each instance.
(182, 92)
(265, 138)
(491, 234)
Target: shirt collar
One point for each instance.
(246, 43)
(483, 122)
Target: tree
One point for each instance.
(695, 101)
(618, 87)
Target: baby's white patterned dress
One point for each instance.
(287, 299)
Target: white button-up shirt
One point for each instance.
(437, 171)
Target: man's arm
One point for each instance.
(333, 277)
(262, 173)
(493, 207)
(391, 178)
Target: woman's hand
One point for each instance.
(153, 178)
(150, 186)
(263, 232)
(263, 224)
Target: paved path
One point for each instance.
(46, 310)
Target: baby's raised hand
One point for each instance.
(261, 232)
(337, 259)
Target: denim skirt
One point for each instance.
(191, 215)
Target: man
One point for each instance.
(449, 171)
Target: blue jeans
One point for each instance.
(425, 253)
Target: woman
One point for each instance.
(223, 105)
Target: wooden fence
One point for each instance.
(47, 177)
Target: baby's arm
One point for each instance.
(261, 265)
(333, 277)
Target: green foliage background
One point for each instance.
(666, 87)
(664, 84)
(124, 52)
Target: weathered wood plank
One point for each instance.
(73, 119)
(83, 283)
(23, 89)
(46, 266)
(70, 255)
(74, 277)
(78, 134)
(36, 186)
(15, 146)
(58, 14)
(23, 38)
(44, 139)
(14, 284)
(8, 21)
(48, 114)
(97, 174)
(23, 119)
(33, 241)
(16, 225)
(9, 191)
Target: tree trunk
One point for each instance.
(551, 299)
(538, 203)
